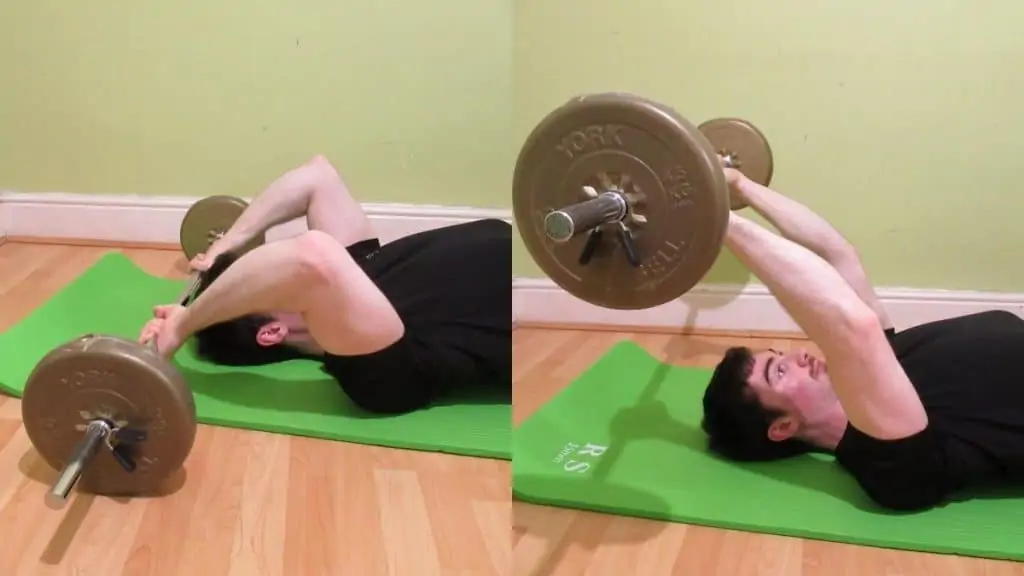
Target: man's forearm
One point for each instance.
(820, 301)
(796, 221)
(269, 278)
(285, 199)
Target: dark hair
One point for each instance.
(233, 343)
(735, 422)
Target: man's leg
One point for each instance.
(332, 209)
(314, 190)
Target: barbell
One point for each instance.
(104, 393)
(623, 202)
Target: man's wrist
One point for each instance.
(746, 187)
(186, 325)
(228, 243)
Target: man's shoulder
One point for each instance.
(902, 474)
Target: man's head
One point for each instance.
(251, 340)
(766, 406)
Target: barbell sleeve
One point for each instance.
(562, 225)
(96, 434)
(730, 160)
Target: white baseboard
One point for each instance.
(534, 301)
(148, 219)
(5, 220)
(157, 220)
(740, 308)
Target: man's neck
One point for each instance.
(826, 429)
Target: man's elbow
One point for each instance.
(861, 319)
(908, 500)
(854, 321)
(914, 505)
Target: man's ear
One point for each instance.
(272, 333)
(783, 428)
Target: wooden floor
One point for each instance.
(257, 503)
(555, 542)
(254, 504)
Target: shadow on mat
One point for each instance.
(613, 497)
(628, 425)
(314, 395)
(647, 419)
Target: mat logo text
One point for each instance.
(578, 459)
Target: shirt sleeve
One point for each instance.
(890, 335)
(907, 474)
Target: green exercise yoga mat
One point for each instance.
(116, 297)
(656, 466)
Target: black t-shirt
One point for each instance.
(452, 287)
(968, 373)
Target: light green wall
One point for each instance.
(899, 121)
(196, 97)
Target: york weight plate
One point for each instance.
(665, 166)
(124, 382)
(208, 218)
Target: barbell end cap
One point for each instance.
(559, 226)
(54, 501)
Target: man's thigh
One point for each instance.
(332, 208)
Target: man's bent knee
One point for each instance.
(323, 167)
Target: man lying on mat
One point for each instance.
(397, 325)
(915, 416)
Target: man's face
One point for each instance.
(794, 383)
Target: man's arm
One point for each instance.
(801, 225)
(309, 274)
(876, 394)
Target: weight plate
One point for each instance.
(742, 140)
(209, 217)
(668, 170)
(125, 382)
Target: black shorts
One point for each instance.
(452, 287)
